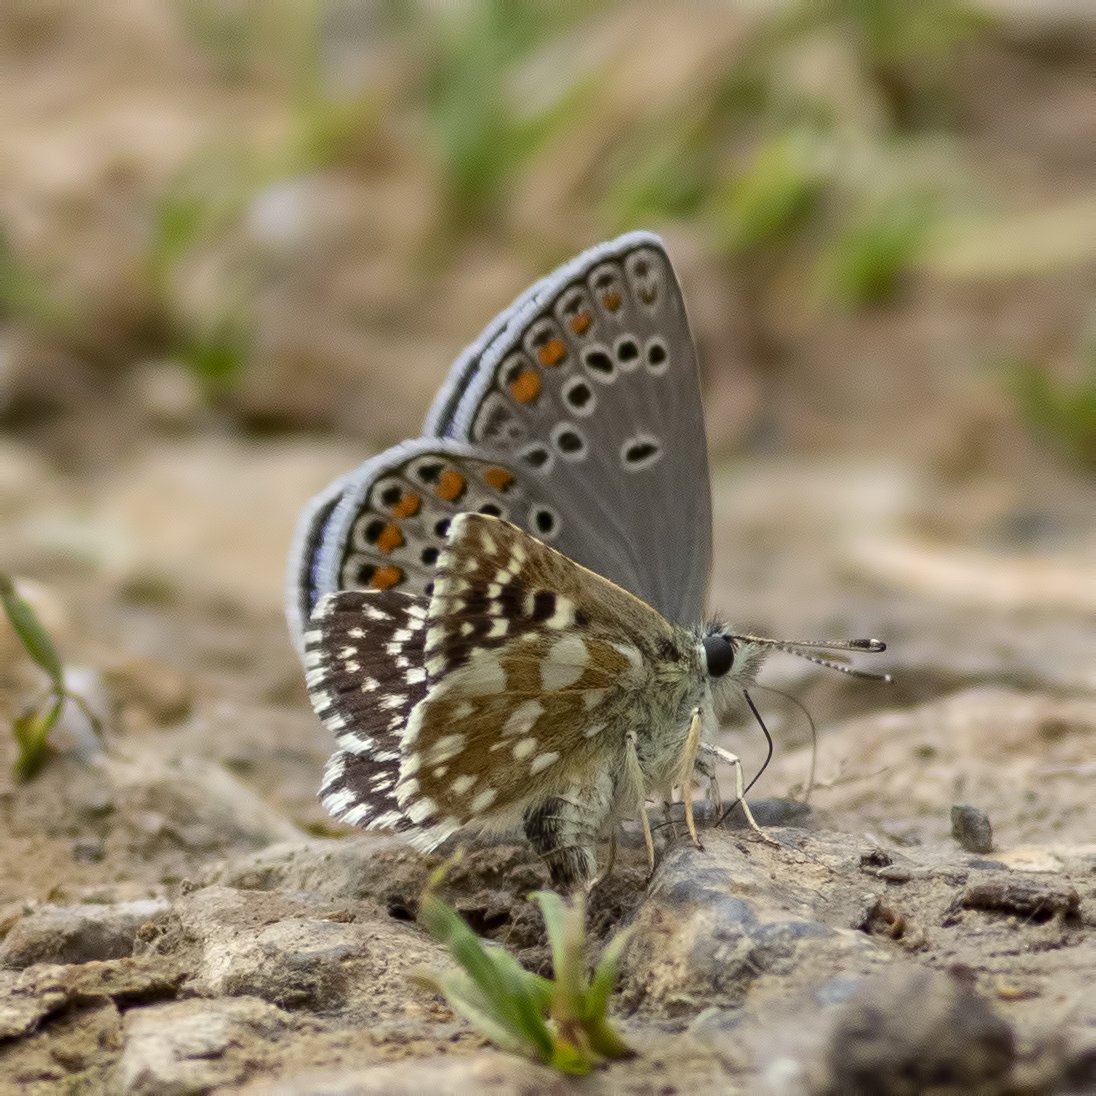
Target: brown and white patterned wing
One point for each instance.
(535, 668)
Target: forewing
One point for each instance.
(582, 400)
(534, 665)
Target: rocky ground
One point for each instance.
(178, 915)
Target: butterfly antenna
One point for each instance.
(806, 648)
(814, 733)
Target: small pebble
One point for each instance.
(970, 827)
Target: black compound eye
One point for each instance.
(719, 654)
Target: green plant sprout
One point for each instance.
(1064, 412)
(31, 729)
(874, 248)
(560, 1021)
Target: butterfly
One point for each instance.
(500, 621)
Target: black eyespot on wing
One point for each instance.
(640, 452)
(598, 362)
(658, 357)
(544, 521)
(627, 352)
(569, 441)
(535, 456)
(578, 395)
(491, 510)
(429, 555)
(441, 528)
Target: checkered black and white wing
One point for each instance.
(363, 657)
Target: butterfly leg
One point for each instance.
(607, 870)
(711, 792)
(739, 790)
(636, 792)
(692, 745)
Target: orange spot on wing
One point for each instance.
(451, 485)
(499, 478)
(384, 578)
(580, 324)
(525, 387)
(408, 506)
(390, 539)
(611, 300)
(552, 352)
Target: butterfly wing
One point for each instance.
(592, 386)
(535, 670)
(363, 659)
(583, 393)
(384, 525)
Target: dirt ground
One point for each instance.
(177, 912)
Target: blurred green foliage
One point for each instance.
(771, 196)
(27, 295)
(768, 166)
(485, 123)
(1064, 412)
(867, 256)
(201, 206)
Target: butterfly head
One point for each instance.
(730, 659)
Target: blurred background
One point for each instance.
(240, 244)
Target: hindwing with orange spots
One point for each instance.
(394, 522)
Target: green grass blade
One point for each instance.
(465, 999)
(605, 974)
(31, 633)
(565, 928)
(512, 999)
(567, 1057)
(603, 1037)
